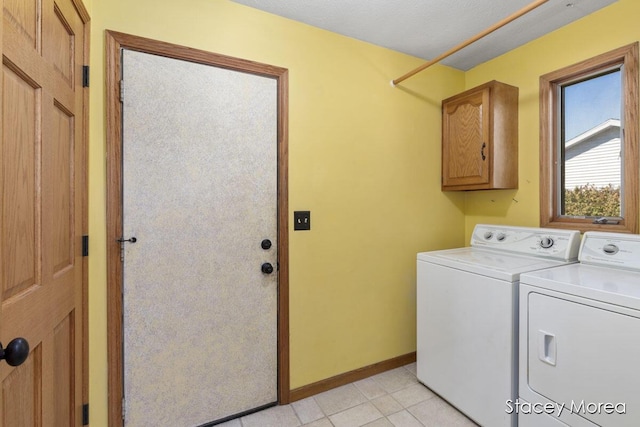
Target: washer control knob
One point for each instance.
(546, 242)
(610, 249)
(488, 235)
(501, 237)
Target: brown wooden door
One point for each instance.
(466, 140)
(43, 190)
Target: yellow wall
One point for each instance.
(364, 158)
(605, 30)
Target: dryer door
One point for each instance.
(586, 358)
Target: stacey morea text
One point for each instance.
(577, 407)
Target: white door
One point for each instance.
(199, 197)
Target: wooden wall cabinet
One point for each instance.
(480, 138)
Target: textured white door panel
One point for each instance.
(199, 195)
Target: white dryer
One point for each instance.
(580, 338)
(467, 315)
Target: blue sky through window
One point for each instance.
(591, 102)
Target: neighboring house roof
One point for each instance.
(602, 127)
(594, 157)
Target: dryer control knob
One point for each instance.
(546, 242)
(488, 235)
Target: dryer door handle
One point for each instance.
(547, 347)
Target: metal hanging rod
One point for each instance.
(466, 43)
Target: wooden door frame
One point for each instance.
(115, 42)
(84, 16)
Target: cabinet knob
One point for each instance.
(484, 145)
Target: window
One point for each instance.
(589, 144)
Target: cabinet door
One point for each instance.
(466, 140)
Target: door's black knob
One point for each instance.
(265, 244)
(267, 268)
(16, 352)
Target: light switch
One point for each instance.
(302, 220)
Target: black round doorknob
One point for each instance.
(267, 268)
(16, 352)
(265, 244)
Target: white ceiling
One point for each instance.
(428, 28)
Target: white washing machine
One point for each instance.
(467, 315)
(580, 338)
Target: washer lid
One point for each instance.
(497, 264)
(611, 285)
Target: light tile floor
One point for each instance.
(392, 398)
